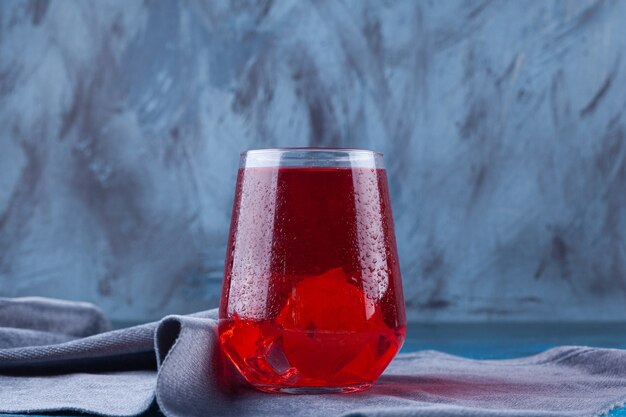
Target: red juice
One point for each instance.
(312, 293)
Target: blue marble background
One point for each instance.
(503, 125)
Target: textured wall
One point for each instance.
(502, 123)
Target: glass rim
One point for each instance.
(310, 149)
(312, 157)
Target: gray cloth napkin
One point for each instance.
(60, 356)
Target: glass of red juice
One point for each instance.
(312, 296)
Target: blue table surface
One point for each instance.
(504, 340)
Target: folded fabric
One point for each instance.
(59, 356)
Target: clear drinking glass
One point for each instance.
(312, 297)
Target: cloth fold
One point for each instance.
(71, 362)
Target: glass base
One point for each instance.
(313, 390)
